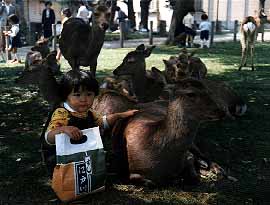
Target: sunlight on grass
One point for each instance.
(240, 146)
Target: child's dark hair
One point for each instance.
(48, 3)
(66, 12)
(13, 18)
(74, 80)
(204, 17)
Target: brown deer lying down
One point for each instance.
(157, 145)
(184, 65)
(42, 74)
(147, 85)
(81, 43)
(38, 52)
(224, 95)
(248, 29)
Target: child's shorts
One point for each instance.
(204, 35)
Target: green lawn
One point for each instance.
(241, 147)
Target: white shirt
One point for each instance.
(47, 13)
(7, 7)
(14, 30)
(205, 26)
(188, 20)
(84, 13)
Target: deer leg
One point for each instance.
(196, 152)
(252, 56)
(244, 58)
(137, 178)
(190, 175)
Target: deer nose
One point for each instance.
(105, 26)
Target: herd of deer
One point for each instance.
(158, 141)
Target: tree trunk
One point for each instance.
(144, 14)
(131, 14)
(170, 38)
(181, 8)
(113, 5)
(262, 3)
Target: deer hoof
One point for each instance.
(240, 67)
(252, 68)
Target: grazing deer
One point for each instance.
(157, 144)
(147, 86)
(81, 43)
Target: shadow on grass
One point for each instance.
(240, 146)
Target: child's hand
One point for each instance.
(128, 113)
(73, 132)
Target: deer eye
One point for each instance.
(191, 95)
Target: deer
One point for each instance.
(248, 30)
(157, 143)
(80, 43)
(38, 52)
(42, 74)
(225, 96)
(147, 85)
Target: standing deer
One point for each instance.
(248, 29)
(81, 43)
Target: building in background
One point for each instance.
(225, 11)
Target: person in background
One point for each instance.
(205, 27)
(121, 15)
(48, 18)
(6, 9)
(14, 36)
(83, 12)
(188, 21)
(65, 15)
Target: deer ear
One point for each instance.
(140, 47)
(166, 62)
(148, 51)
(155, 70)
(158, 75)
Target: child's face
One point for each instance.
(81, 101)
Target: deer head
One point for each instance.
(199, 100)
(134, 62)
(175, 70)
(42, 46)
(101, 17)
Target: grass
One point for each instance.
(241, 146)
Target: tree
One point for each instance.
(144, 13)
(262, 3)
(180, 9)
(131, 13)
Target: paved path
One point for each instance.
(156, 41)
